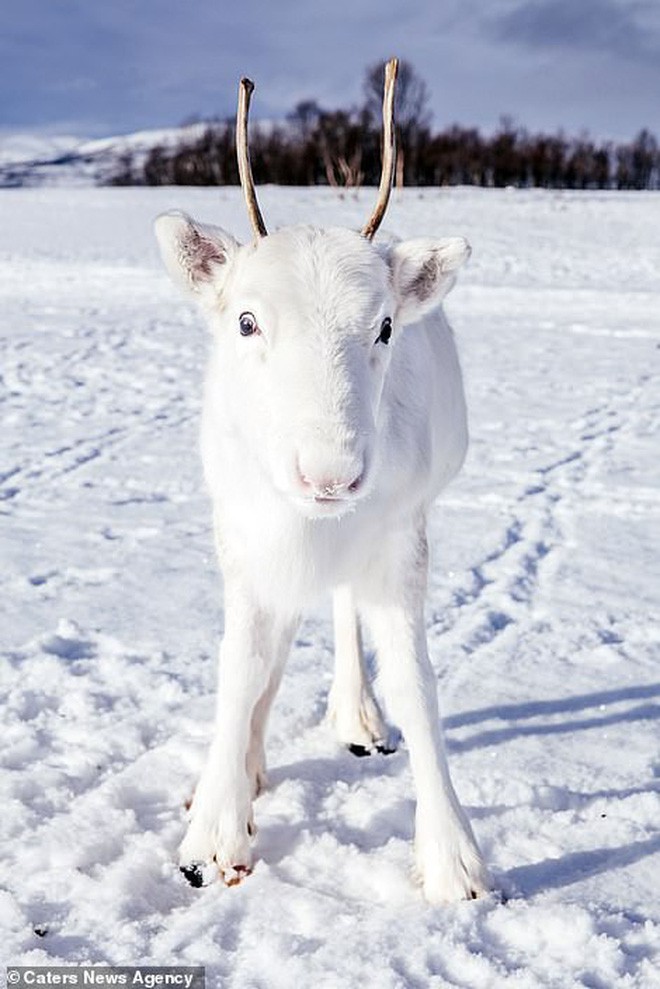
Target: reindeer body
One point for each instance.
(324, 443)
(333, 415)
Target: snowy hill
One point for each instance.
(543, 615)
(31, 161)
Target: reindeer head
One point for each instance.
(305, 323)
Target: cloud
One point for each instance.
(115, 66)
(163, 59)
(624, 29)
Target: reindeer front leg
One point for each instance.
(253, 650)
(448, 859)
(352, 707)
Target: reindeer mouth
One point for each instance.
(326, 506)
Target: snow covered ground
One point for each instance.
(542, 616)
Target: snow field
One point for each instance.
(542, 615)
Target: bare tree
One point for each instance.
(340, 145)
(645, 161)
(305, 118)
(342, 148)
(411, 110)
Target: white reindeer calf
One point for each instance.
(333, 415)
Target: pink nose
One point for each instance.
(331, 488)
(328, 483)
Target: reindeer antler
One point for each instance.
(245, 91)
(389, 148)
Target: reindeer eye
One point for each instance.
(385, 331)
(247, 324)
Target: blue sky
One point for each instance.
(97, 67)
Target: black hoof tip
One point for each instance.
(381, 747)
(359, 750)
(386, 749)
(193, 873)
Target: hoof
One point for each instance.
(194, 874)
(386, 749)
(200, 874)
(234, 875)
(359, 750)
(362, 750)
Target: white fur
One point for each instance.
(323, 450)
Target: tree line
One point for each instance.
(342, 148)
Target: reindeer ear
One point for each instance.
(423, 272)
(194, 254)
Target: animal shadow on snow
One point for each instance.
(527, 880)
(646, 710)
(320, 777)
